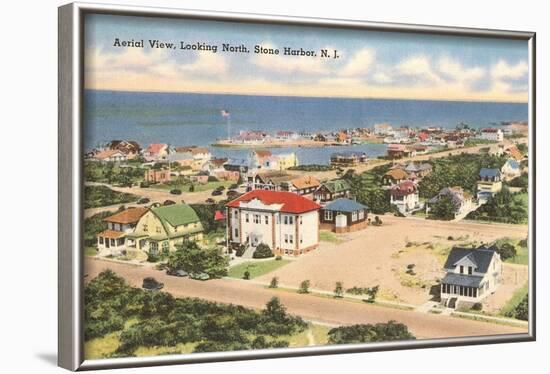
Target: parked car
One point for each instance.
(143, 200)
(199, 276)
(152, 284)
(177, 273)
(231, 193)
(168, 202)
(220, 188)
(209, 201)
(216, 193)
(175, 191)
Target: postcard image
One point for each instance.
(253, 186)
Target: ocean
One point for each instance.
(194, 119)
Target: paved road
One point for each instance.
(315, 308)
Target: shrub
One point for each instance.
(274, 282)
(372, 293)
(144, 184)
(339, 290)
(304, 286)
(193, 259)
(246, 275)
(262, 251)
(191, 188)
(212, 178)
(379, 332)
(240, 250)
(278, 258)
(477, 306)
(506, 251)
(175, 191)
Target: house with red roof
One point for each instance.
(405, 197)
(156, 152)
(287, 222)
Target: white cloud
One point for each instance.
(455, 71)
(503, 70)
(419, 68)
(359, 65)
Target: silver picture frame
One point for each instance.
(70, 186)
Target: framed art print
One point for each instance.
(238, 186)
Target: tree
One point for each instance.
(194, 259)
(274, 282)
(506, 251)
(443, 209)
(339, 290)
(304, 286)
(379, 332)
(372, 293)
(191, 188)
(246, 275)
(262, 251)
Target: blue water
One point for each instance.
(185, 119)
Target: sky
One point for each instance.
(371, 64)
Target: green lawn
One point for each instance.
(198, 187)
(90, 251)
(256, 268)
(329, 236)
(518, 296)
(98, 196)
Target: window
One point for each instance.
(285, 220)
(113, 243)
(291, 239)
(301, 239)
(154, 247)
(237, 232)
(286, 238)
(301, 220)
(256, 218)
(353, 216)
(158, 230)
(236, 214)
(328, 215)
(101, 240)
(165, 247)
(266, 220)
(361, 214)
(461, 269)
(145, 228)
(470, 270)
(290, 220)
(246, 217)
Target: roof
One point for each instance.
(111, 234)
(481, 257)
(275, 176)
(403, 188)
(108, 153)
(130, 215)
(306, 181)
(462, 280)
(515, 152)
(396, 147)
(456, 194)
(192, 149)
(237, 162)
(218, 161)
(262, 153)
(291, 202)
(348, 154)
(218, 216)
(397, 174)
(337, 185)
(512, 164)
(486, 172)
(177, 214)
(344, 205)
(155, 147)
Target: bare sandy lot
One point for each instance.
(380, 255)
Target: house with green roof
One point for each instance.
(331, 190)
(164, 227)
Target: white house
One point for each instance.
(491, 134)
(472, 274)
(405, 197)
(287, 222)
(462, 200)
(383, 129)
(511, 169)
(111, 155)
(113, 240)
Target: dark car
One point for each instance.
(152, 284)
(169, 202)
(216, 193)
(143, 200)
(210, 201)
(176, 272)
(231, 193)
